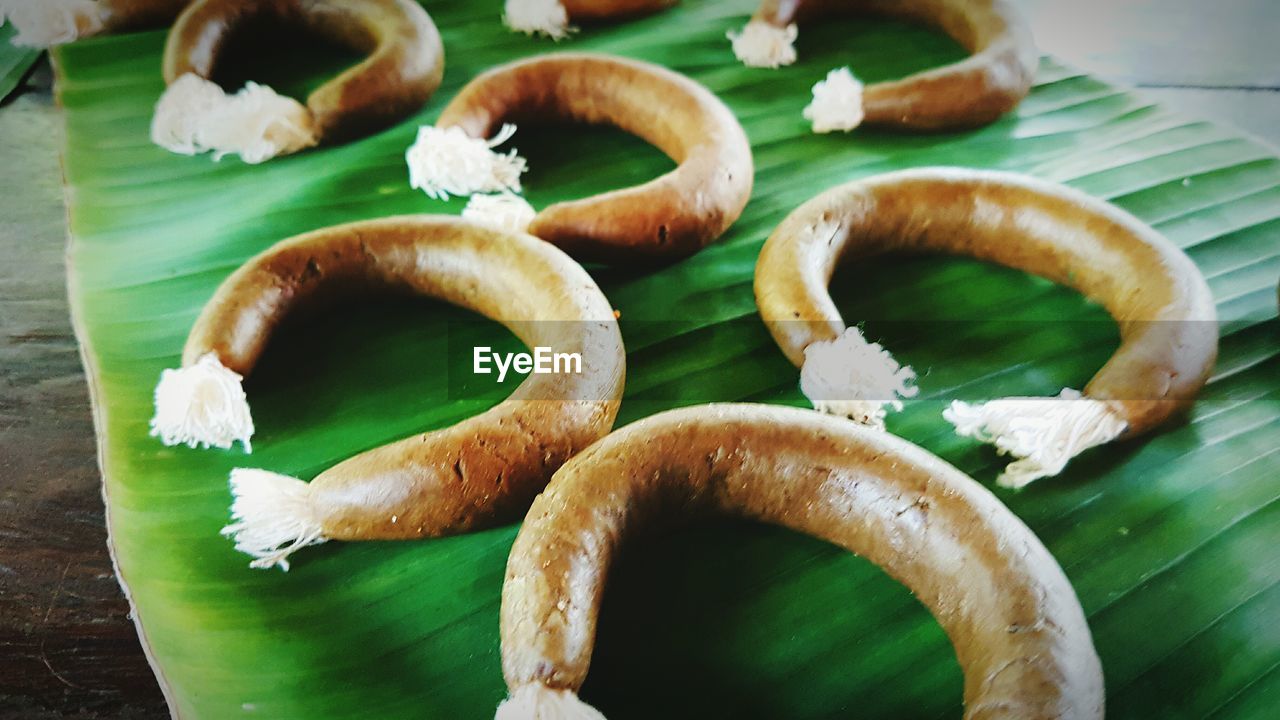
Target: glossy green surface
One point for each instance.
(15, 62)
(1170, 541)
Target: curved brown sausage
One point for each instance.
(974, 91)
(670, 217)
(1013, 618)
(483, 470)
(405, 62)
(1157, 295)
(45, 23)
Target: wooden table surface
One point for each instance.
(67, 646)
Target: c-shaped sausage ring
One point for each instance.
(405, 65)
(1157, 295)
(666, 218)
(974, 91)
(481, 471)
(45, 23)
(1017, 627)
(553, 18)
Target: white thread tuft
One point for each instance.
(538, 17)
(837, 103)
(202, 405)
(1043, 433)
(182, 110)
(763, 45)
(273, 517)
(195, 115)
(507, 211)
(539, 702)
(445, 162)
(46, 23)
(853, 378)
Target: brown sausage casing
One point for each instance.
(975, 91)
(485, 469)
(122, 15)
(405, 62)
(669, 217)
(598, 10)
(1156, 294)
(1018, 630)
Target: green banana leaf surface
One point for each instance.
(1169, 540)
(15, 62)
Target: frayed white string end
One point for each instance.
(195, 115)
(547, 18)
(762, 45)
(837, 103)
(1043, 433)
(507, 211)
(202, 405)
(539, 702)
(46, 23)
(856, 379)
(446, 161)
(273, 517)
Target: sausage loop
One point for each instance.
(194, 116)
(274, 516)
(446, 161)
(1157, 295)
(1043, 433)
(972, 92)
(481, 471)
(402, 65)
(671, 216)
(547, 18)
(763, 45)
(202, 405)
(536, 701)
(46, 23)
(1020, 635)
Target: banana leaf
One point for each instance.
(1170, 541)
(15, 62)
